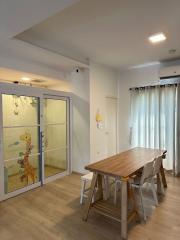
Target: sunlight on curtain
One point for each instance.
(154, 120)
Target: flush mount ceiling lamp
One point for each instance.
(158, 37)
(26, 79)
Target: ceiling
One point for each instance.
(114, 32)
(15, 17)
(10, 75)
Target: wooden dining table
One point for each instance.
(121, 167)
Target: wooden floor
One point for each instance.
(53, 212)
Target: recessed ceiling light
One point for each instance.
(159, 37)
(25, 78)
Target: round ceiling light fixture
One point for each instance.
(27, 79)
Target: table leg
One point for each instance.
(100, 187)
(90, 196)
(163, 176)
(106, 187)
(124, 209)
(131, 195)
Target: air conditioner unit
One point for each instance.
(170, 74)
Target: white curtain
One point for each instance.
(155, 120)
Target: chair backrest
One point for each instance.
(147, 172)
(157, 165)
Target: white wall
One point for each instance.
(103, 83)
(127, 79)
(81, 119)
(19, 64)
(90, 89)
(80, 87)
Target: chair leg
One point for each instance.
(162, 186)
(83, 185)
(135, 208)
(154, 192)
(142, 204)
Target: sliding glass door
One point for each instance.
(21, 149)
(55, 140)
(34, 138)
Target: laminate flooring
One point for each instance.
(53, 212)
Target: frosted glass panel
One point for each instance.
(54, 111)
(15, 173)
(15, 141)
(20, 141)
(55, 136)
(19, 110)
(55, 162)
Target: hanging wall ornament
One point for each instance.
(16, 105)
(99, 120)
(33, 102)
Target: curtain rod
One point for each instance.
(153, 86)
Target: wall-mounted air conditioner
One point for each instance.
(170, 74)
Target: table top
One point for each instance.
(126, 163)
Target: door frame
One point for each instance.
(23, 90)
(68, 145)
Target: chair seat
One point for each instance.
(155, 180)
(136, 180)
(87, 177)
